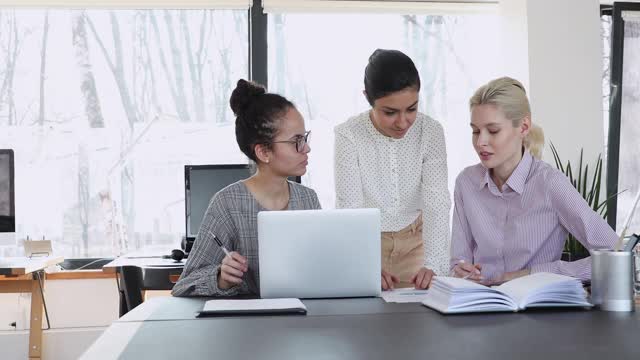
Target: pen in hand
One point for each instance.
(226, 252)
(235, 257)
(232, 268)
(468, 275)
(471, 273)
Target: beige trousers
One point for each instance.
(403, 252)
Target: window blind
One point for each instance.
(128, 4)
(398, 7)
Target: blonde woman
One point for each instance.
(512, 211)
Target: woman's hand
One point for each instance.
(388, 280)
(422, 279)
(232, 269)
(468, 271)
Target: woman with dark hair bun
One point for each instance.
(271, 132)
(394, 158)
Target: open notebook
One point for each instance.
(450, 295)
(253, 307)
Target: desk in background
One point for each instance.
(166, 328)
(132, 270)
(26, 275)
(147, 257)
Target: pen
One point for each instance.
(469, 274)
(226, 252)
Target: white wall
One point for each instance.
(79, 311)
(565, 73)
(515, 43)
(554, 47)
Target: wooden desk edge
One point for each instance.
(64, 275)
(109, 269)
(72, 275)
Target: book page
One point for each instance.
(458, 283)
(455, 295)
(253, 305)
(544, 287)
(404, 295)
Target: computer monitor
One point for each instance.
(7, 198)
(201, 182)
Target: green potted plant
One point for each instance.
(589, 188)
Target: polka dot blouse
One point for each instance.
(402, 177)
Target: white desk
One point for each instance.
(151, 257)
(26, 275)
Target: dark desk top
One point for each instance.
(370, 329)
(172, 308)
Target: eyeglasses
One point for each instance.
(300, 141)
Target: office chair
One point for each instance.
(134, 280)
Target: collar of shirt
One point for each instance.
(517, 179)
(380, 136)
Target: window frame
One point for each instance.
(615, 104)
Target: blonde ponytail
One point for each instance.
(534, 141)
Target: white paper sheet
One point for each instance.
(253, 304)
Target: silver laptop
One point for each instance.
(319, 253)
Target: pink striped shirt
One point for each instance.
(525, 225)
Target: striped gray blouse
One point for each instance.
(232, 217)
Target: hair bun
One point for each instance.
(243, 95)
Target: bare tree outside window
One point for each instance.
(323, 71)
(103, 109)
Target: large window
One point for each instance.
(103, 109)
(318, 61)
